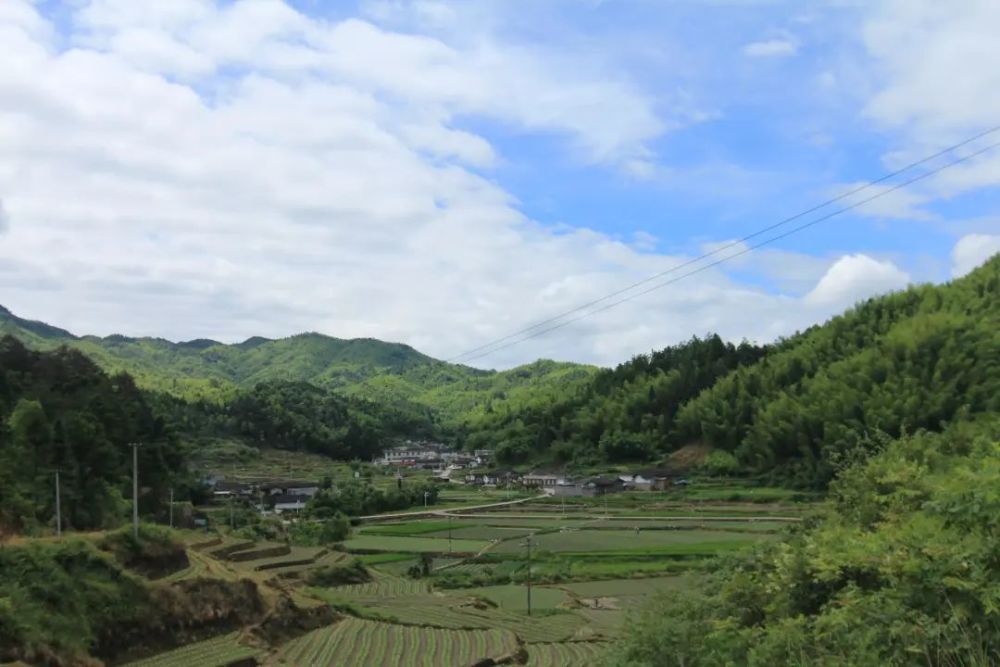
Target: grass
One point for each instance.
(412, 544)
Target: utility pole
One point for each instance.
(528, 544)
(135, 489)
(426, 493)
(58, 508)
(171, 507)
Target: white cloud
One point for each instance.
(935, 80)
(853, 278)
(971, 251)
(321, 184)
(771, 48)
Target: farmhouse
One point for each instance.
(602, 486)
(289, 503)
(539, 480)
(647, 480)
(491, 478)
(567, 488)
(223, 490)
(290, 488)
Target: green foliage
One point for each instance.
(720, 463)
(58, 410)
(910, 360)
(60, 597)
(623, 414)
(357, 497)
(414, 394)
(901, 570)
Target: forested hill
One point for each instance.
(389, 374)
(799, 408)
(59, 411)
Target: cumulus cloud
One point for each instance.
(853, 278)
(971, 251)
(935, 80)
(198, 169)
(771, 48)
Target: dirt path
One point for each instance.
(453, 511)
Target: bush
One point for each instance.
(721, 463)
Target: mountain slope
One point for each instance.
(392, 374)
(799, 408)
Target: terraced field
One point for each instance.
(383, 586)
(626, 587)
(666, 541)
(513, 597)
(361, 643)
(214, 652)
(565, 654)
(456, 613)
(295, 556)
(412, 544)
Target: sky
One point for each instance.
(445, 174)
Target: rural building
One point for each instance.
(491, 478)
(647, 480)
(602, 486)
(289, 503)
(290, 488)
(224, 490)
(413, 454)
(538, 480)
(567, 488)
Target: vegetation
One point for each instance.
(900, 569)
(795, 410)
(59, 411)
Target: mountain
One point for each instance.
(391, 374)
(796, 409)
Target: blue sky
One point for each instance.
(443, 173)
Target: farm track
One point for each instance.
(444, 512)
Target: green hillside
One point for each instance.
(796, 409)
(390, 374)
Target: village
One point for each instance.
(442, 465)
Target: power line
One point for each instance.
(466, 355)
(744, 251)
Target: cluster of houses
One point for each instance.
(566, 486)
(424, 455)
(279, 496)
